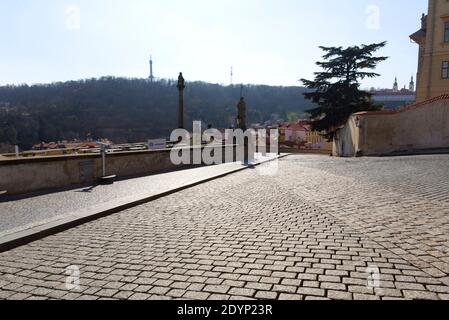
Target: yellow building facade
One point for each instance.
(433, 41)
(317, 140)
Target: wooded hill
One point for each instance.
(131, 110)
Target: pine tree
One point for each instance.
(336, 89)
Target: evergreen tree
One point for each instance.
(336, 89)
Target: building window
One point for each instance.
(445, 70)
(446, 32)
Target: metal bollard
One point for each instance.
(104, 178)
(279, 142)
(103, 160)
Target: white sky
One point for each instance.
(271, 42)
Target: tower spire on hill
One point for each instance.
(151, 69)
(232, 76)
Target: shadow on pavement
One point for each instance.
(88, 187)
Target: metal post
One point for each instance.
(103, 160)
(279, 141)
(105, 179)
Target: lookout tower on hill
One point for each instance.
(151, 70)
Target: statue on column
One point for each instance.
(181, 82)
(241, 119)
(181, 86)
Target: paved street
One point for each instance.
(313, 231)
(27, 212)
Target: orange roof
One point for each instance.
(404, 108)
(300, 125)
(296, 126)
(389, 92)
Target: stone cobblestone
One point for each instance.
(310, 232)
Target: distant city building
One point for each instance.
(73, 145)
(294, 133)
(300, 135)
(77, 147)
(393, 98)
(433, 41)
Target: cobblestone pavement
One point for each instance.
(34, 211)
(314, 231)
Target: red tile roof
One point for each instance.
(404, 108)
(389, 92)
(296, 126)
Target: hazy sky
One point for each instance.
(271, 42)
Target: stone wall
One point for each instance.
(18, 176)
(346, 141)
(419, 127)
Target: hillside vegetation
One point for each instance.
(131, 110)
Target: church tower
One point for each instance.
(396, 85)
(411, 86)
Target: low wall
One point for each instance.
(420, 127)
(19, 176)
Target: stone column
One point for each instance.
(181, 86)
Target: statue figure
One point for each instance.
(181, 82)
(241, 119)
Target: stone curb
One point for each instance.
(83, 216)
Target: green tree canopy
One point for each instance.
(336, 89)
(130, 110)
